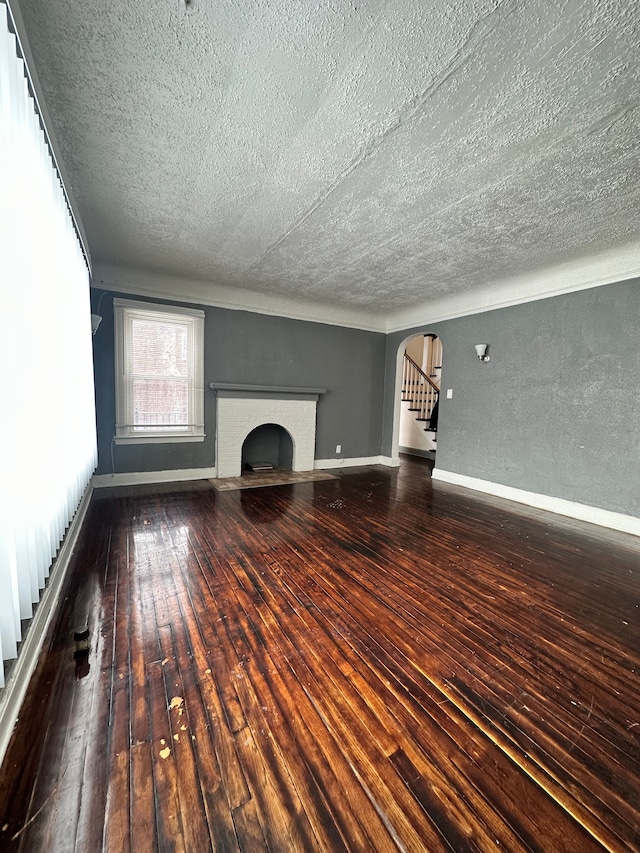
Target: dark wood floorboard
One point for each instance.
(371, 663)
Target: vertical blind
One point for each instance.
(47, 416)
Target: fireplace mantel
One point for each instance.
(265, 392)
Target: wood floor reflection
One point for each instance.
(371, 663)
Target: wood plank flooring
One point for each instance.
(371, 663)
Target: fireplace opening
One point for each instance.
(268, 446)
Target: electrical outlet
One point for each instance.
(449, 393)
(338, 448)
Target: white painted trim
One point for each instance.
(572, 509)
(351, 462)
(599, 270)
(608, 267)
(20, 675)
(165, 312)
(101, 481)
(390, 461)
(159, 286)
(134, 478)
(157, 439)
(397, 396)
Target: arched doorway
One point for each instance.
(269, 445)
(419, 392)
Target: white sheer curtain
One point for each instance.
(47, 417)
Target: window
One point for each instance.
(159, 372)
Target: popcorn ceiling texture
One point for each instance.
(367, 154)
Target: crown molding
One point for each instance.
(598, 270)
(161, 286)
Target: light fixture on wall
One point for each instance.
(96, 318)
(481, 352)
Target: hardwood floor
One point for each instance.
(371, 663)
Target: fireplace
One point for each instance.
(268, 445)
(240, 409)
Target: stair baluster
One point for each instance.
(419, 390)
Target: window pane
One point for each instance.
(158, 348)
(159, 366)
(160, 403)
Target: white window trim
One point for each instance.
(124, 311)
(157, 439)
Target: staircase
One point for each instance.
(422, 393)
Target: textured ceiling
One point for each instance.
(373, 154)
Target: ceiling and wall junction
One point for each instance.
(363, 162)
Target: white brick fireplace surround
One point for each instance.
(242, 408)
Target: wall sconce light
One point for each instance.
(96, 318)
(481, 352)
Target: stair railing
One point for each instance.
(418, 390)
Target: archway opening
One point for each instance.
(266, 447)
(421, 372)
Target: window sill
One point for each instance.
(157, 439)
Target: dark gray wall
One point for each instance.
(259, 349)
(557, 409)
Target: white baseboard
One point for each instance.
(135, 478)
(18, 681)
(351, 462)
(572, 509)
(390, 461)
